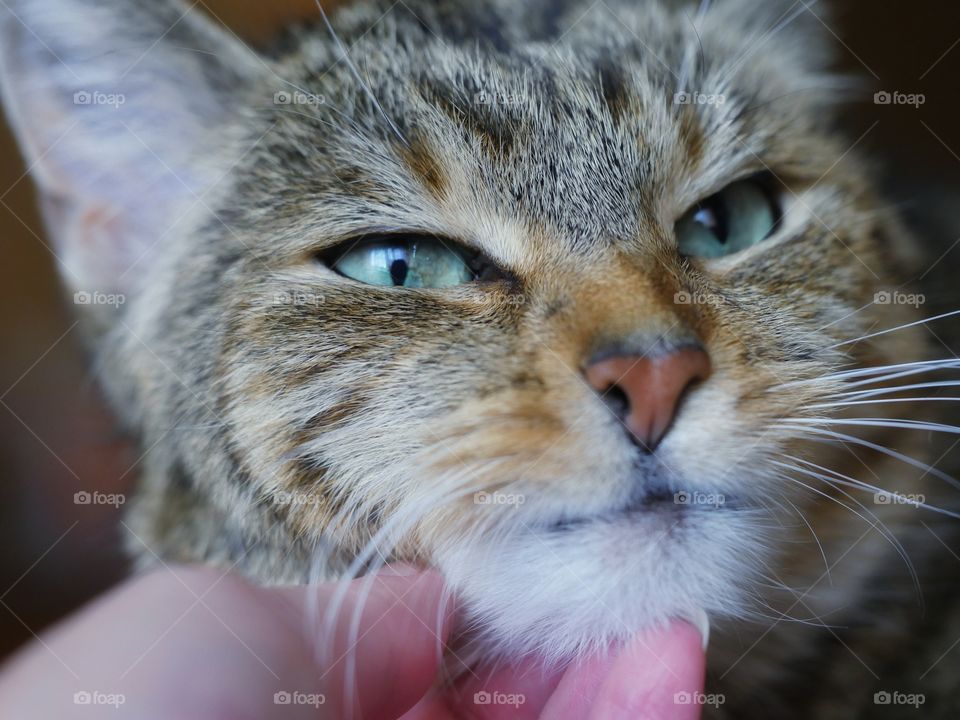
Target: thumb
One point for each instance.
(655, 677)
(385, 643)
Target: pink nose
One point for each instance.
(649, 387)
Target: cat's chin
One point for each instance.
(563, 593)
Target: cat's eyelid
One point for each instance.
(765, 177)
(455, 242)
(727, 263)
(340, 247)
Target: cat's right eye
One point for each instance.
(410, 261)
(739, 216)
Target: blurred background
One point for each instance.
(57, 438)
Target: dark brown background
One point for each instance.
(56, 438)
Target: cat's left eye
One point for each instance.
(405, 261)
(739, 216)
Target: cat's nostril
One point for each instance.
(645, 392)
(617, 401)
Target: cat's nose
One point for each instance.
(646, 391)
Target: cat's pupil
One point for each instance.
(713, 218)
(398, 271)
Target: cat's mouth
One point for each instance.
(657, 499)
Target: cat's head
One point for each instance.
(532, 292)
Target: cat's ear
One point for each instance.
(122, 109)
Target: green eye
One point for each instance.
(405, 262)
(739, 216)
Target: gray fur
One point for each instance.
(376, 404)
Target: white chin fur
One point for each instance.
(563, 594)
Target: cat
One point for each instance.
(588, 305)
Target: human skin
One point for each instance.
(191, 642)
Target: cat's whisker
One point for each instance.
(816, 538)
(883, 422)
(356, 74)
(851, 482)
(686, 69)
(371, 558)
(905, 326)
(377, 552)
(874, 392)
(877, 523)
(884, 371)
(760, 38)
(893, 367)
(779, 616)
(312, 118)
(841, 88)
(883, 401)
(799, 595)
(832, 436)
(900, 374)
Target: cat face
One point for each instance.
(564, 179)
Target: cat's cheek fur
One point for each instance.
(562, 594)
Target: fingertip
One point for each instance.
(388, 642)
(659, 675)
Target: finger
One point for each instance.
(653, 678)
(517, 691)
(578, 688)
(384, 651)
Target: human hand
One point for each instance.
(194, 643)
